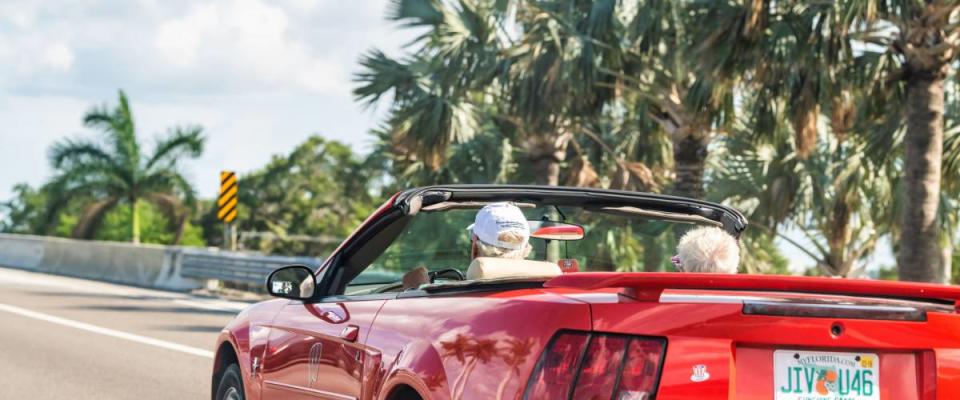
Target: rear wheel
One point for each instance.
(231, 385)
(405, 393)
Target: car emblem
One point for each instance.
(700, 373)
(313, 368)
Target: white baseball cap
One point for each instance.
(494, 219)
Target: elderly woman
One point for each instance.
(707, 249)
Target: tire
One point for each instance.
(231, 384)
(406, 393)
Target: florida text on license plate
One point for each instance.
(819, 375)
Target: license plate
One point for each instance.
(819, 375)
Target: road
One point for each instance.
(66, 338)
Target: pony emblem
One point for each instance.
(700, 373)
(313, 365)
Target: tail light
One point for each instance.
(581, 365)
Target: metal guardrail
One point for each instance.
(236, 267)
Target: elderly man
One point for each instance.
(500, 230)
(707, 249)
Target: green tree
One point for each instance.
(926, 43)
(318, 194)
(901, 54)
(481, 65)
(488, 157)
(25, 212)
(113, 170)
(431, 106)
(835, 196)
(640, 53)
(154, 227)
(41, 211)
(551, 70)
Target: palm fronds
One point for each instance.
(104, 173)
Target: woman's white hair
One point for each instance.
(708, 249)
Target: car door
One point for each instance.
(315, 350)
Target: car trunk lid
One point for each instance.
(649, 285)
(744, 337)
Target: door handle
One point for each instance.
(332, 317)
(350, 333)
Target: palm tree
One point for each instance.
(433, 90)
(481, 64)
(901, 53)
(927, 41)
(112, 170)
(950, 196)
(639, 53)
(834, 196)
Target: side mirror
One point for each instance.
(295, 282)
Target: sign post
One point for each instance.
(227, 207)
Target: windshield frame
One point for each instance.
(730, 219)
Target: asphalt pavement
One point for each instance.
(66, 338)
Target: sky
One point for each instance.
(259, 76)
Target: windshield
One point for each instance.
(613, 240)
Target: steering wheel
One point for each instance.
(435, 274)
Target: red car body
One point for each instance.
(708, 336)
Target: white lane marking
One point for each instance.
(211, 305)
(163, 344)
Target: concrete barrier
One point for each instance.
(146, 265)
(140, 265)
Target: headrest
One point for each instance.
(484, 268)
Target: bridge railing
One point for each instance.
(250, 269)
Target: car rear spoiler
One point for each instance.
(648, 286)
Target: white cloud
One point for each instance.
(259, 76)
(19, 14)
(57, 56)
(252, 42)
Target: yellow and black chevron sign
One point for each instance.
(227, 202)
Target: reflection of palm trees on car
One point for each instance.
(469, 352)
(479, 351)
(514, 355)
(458, 350)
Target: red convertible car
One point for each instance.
(550, 327)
